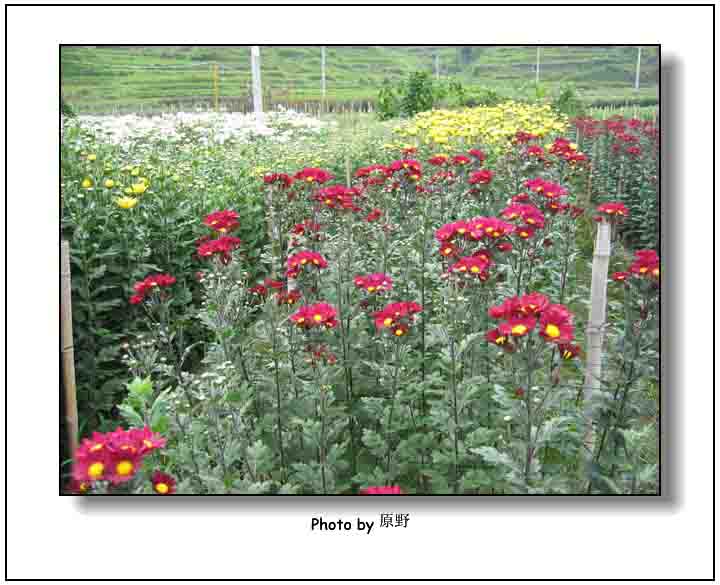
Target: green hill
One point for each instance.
(103, 78)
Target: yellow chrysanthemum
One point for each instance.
(87, 183)
(126, 202)
(109, 183)
(139, 188)
(92, 157)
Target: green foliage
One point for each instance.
(568, 102)
(388, 104)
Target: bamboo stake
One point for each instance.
(68, 351)
(596, 330)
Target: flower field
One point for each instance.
(343, 306)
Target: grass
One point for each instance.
(103, 78)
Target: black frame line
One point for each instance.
(659, 122)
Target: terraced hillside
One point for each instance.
(101, 78)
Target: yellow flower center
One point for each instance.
(475, 269)
(552, 330)
(387, 322)
(309, 179)
(303, 261)
(519, 329)
(147, 443)
(301, 320)
(656, 272)
(567, 354)
(500, 340)
(162, 488)
(318, 318)
(399, 332)
(96, 470)
(96, 447)
(124, 468)
(643, 270)
(371, 289)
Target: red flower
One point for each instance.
(163, 483)
(524, 137)
(288, 297)
(530, 214)
(517, 326)
(646, 263)
(317, 315)
(374, 283)
(296, 262)
(448, 250)
(520, 198)
(281, 179)
(505, 246)
(548, 189)
(306, 227)
(613, 209)
(460, 160)
(79, 487)
(478, 155)
(338, 197)
(450, 230)
(259, 290)
(533, 304)
(535, 151)
(620, 276)
(313, 175)
(374, 215)
(556, 324)
(222, 247)
(409, 167)
(409, 150)
(397, 317)
(576, 212)
(438, 160)
(473, 265)
(222, 221)
(490, 227)
(373, 174)
(383, 490)
(568, 351)
(494, 336)
(114, 456)
(151, 283)
(482, 177)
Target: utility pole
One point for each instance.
(322, 74)
(537, 68)
(257, 85)
(637, 70)
(437, 66)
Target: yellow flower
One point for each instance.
(139, 188)
(126, 202)
(135, 172)
(109, 183)
(92, 157)
(87, 183)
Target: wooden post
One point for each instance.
(68, 352)
(347, 170)
(216, 87)
(596, 330)
(537, 67)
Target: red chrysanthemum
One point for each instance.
(317, 315)
(288, 297)
(613, 209)
(438, 160)
(280, 179)
(478, 155)
(150, 284)
(297, 262)
(338, 197)
(397, 317)
(568, 351)
(163, 483)
(530, 214)
(374, 215)
(374, 283)
(646, 263)
(460, 160)
(473, 266)
(556, 324)
(482, 177)
(222, 248)
(620, 276)
(517, 326)
(313, 175)
(222, 221)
